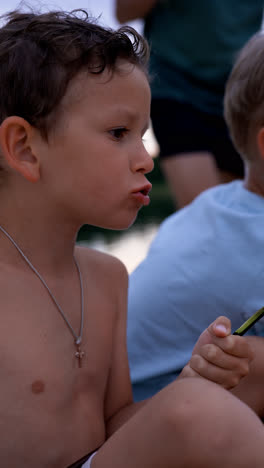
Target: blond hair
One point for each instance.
(244, 97)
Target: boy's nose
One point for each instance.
(142, 161)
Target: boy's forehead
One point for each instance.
(88, 85)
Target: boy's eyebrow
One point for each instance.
(130, 114)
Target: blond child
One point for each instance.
(74, 105)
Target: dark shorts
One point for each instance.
(82, 460)
(181, 128)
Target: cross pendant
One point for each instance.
(79, 354)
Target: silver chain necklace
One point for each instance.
(79, 354)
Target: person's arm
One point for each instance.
(119, 406)
(128, 10)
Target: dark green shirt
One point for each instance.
(194, 44)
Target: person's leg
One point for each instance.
(189, 174)
(196, 151)
(192, 423)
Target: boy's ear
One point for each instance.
(260, 142)
(15, 140)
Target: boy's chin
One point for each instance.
(120, 225)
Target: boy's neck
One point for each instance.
(48, 253)
(46, 238)
(254, 178)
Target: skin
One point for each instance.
(128, 10)
(63, 187)
(52, 412)
(181, 172)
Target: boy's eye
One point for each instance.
(118, 133)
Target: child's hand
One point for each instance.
(219, 356)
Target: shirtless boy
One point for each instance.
(74, 105)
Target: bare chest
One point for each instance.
(45, 395)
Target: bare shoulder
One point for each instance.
(104, 267)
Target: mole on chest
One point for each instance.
(38, 386)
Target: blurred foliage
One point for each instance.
(160, 207)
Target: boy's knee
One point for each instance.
(190, 412)
(185, 403)
(194, 405)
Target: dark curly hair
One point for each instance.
(41, 53)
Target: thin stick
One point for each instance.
(250, 322)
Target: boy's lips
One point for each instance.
(141, 194)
